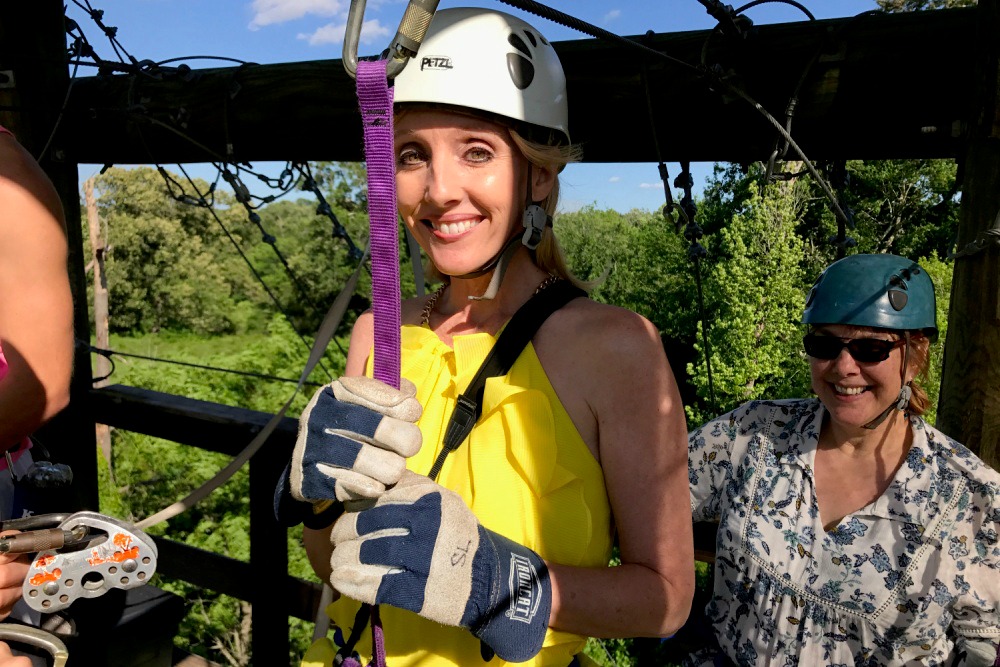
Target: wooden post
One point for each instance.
(103, 366)
(969, 407)
(33, 49)
(268, 559)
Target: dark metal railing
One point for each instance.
(264, 581)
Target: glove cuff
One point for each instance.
(517, 618)
(291, 512)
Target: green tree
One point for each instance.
(754, 285)
(904, 207)
(919, 5)
(165, 265)
(940, 272)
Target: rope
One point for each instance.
(692, 231)
(330, 324)
(253, 269)
(375, 101)
(556, 16)
(985, 239)
(696, 252)
(108, 354)
(715, 80)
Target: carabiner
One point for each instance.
(32, 636)
(412, 29)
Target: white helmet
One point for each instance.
(491, 61)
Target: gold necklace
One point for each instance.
(425, 314)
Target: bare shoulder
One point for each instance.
(600, 357)
(599, 333)
(23, 184)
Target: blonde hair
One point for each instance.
(549, 255)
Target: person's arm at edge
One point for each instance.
(36, 311)
(643, 444)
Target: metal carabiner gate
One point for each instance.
(412, 29)
(38, 638)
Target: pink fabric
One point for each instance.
(15, 452)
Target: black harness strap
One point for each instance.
(513, 339)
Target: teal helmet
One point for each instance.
(881, 291)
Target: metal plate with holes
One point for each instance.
(118, 556)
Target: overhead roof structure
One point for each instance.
(873, 86)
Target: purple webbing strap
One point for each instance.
(378, 640)
(375, 97)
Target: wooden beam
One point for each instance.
(885, 86)
(234, 577)
(268, 558)
(969, 409)
(31, 101)
(228, 430)
(210, 426)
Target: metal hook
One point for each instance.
(412, 29)
(38, 638)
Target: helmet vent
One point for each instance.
(522, 72)
(519, 44)
(897, 299)
(531, 37)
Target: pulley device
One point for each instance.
(84, 555)
(81, 555)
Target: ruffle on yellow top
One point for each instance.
(525, 472)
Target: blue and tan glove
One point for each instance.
(354, 438)
(421, 548)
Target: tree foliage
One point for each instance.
(919, 5)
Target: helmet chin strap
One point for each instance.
(535, 220)
(903, 400)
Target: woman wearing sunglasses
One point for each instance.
(851, 532)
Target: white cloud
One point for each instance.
(612, 15)
(646, 186)
(269, 12)
(614, 179)
(333, 33)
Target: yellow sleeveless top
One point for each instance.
(525, 472)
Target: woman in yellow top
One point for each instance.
(507, 551)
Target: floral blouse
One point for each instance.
(913, 578)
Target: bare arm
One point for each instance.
(36, 312)
(642, 438)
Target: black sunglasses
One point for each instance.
(865, 350)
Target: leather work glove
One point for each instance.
(419, 547)
(354, 438)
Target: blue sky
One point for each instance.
(270, 31)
